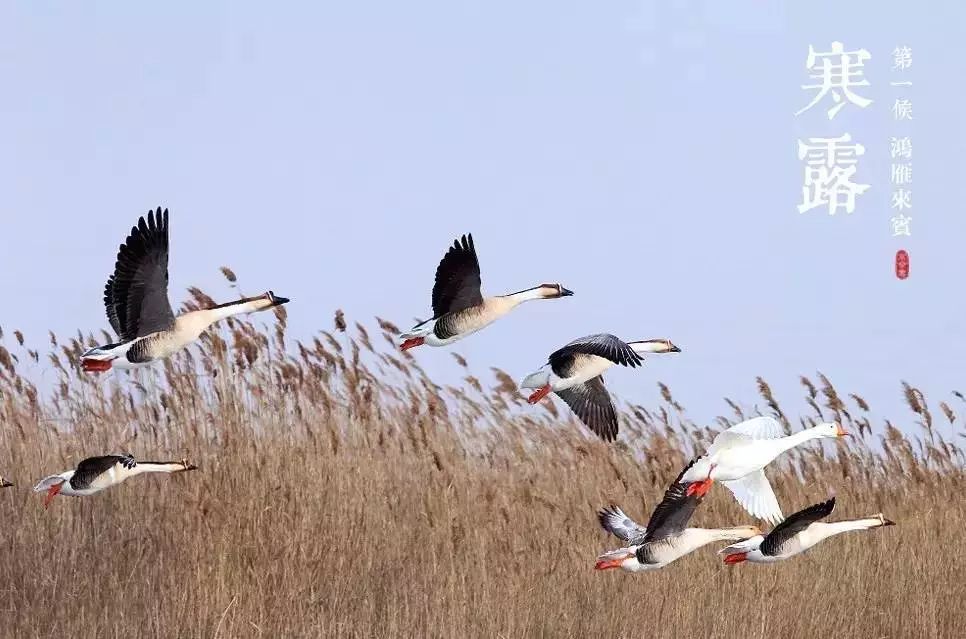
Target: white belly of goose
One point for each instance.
(588, 367)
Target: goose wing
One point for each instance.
(603, 345)
(746, 432)
(591, 403)
(671, 516)
(796, 523)
(93, 467)
(613, 520)
(755, 495)
(111, 308)
(137, 299)
(458, 282)
(763, 427)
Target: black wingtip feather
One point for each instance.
(603, 515)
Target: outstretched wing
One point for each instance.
(763, 427)
(139, 286)
(591, 403)
(613, 520)
(796, 523)
(755, 495)
(671, 516)
(747, 431)
(92, 467)
(110, 306)
(603, 345)
(457, 279)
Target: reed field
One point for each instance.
(341, 492)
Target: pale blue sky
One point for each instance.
(641, 153)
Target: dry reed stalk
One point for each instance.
(341, 497)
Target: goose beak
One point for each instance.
(841, 432)
(565, 292)
(276, 300)
(672, 348)
(4, 483)
(887, 522)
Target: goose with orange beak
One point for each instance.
(459, 307)
(575, 374)
(94, 474)
(136, 300)
(797, 534)
(737, 458)
(666, 537)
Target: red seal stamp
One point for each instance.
(902, 264)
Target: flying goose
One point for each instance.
(574, 374)
(797, 534)
(459, 308)
(94, 474)
(666, 537)
(136, 298)
(737, 458)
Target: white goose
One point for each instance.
(94, 474)
(666, 537)
(797, 534)
(136, 297)
(459, 308)
(574, 374)
(737, 458)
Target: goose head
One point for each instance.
(269, 300)
(654, 346)
(831, 430)
(552, 291)
(4, 483)
(741, 533)
(883, 521)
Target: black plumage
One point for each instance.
(592, 404)
(672, 515)
(564, 360)
(136, 295)
(458, 283)
(92, 467)
(794, 524)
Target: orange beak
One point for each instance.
(51, 493)
(841, 432)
